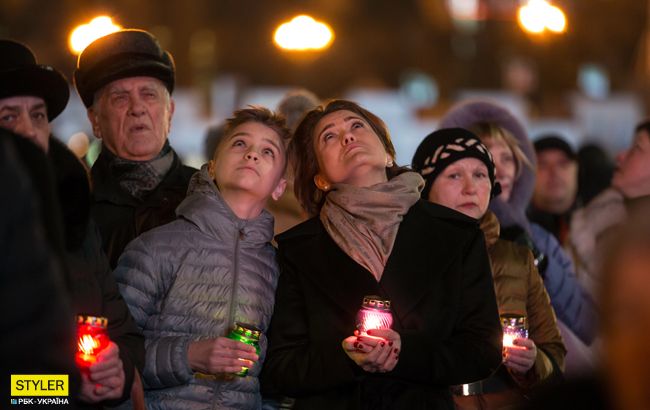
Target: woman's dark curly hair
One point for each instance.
(303, 153)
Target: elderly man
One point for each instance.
(555, 187)
(31, 95)
(125, 80)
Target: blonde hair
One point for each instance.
(492, 131)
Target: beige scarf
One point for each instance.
(364, 221)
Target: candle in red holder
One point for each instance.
(374, 314)
(91, 339)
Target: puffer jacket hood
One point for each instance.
(466, 115)
(204, 206)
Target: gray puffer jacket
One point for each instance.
(192, 279)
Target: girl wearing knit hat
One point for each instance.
(460, 174)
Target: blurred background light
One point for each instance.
(419, 89)
(85, 34)
(303, 33)
(536, 16)
(593, 81)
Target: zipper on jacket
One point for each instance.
(239, 235)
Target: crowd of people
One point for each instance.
(299, 216)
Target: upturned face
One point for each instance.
(27, 117)
(348, 151)
(251, 161)
(132, 116)
(463, 186)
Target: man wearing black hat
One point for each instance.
(31, 95)
(555, 186)
(125, 80)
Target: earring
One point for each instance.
(389, 164)
(325, 188)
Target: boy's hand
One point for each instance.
(220, 355)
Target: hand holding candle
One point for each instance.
(374, 346)
(221, 355)
(519, 352)
(105, 378)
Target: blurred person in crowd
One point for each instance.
(623, 380)
(556, 186)
(595, 171)
(125, 80)
(459, 174)
(287, 210)
(37, 322)
(514, 158)
(33, 95)
(188, 282)
(371, 234)
(630, 189)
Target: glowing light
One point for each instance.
(536, 16)
(464, 9)
(374, 314)
(556, 21)
(91, 339)
(303, 33)
(85, 34)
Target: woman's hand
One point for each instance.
(520, 358)
(378, 352)
(220, 355)
(105, 378)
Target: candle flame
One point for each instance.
(509, 338)
(87, 344)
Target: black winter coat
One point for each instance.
(93, 290)
(121, 217)
(439, 281)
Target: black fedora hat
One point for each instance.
(21, 75)
(125, 53)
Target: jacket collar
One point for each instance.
(205, 207)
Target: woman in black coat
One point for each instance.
(372, 235)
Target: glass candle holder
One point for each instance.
(248, 334)
(374, 314)
(91, 339)
(514, 326)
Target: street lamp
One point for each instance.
(303, 33)
(85, 34)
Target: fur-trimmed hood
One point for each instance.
(469, 113)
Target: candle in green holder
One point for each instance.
(248, 334)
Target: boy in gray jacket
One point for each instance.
(189, 281)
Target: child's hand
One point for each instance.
(220, 355)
